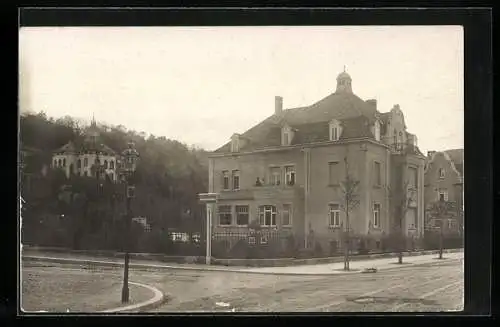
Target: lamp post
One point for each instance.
(130, 156)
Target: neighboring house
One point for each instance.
(81, 159)
(286, 171)
(444, 180)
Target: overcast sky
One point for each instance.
(201, 85)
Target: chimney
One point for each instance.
(372, 103)
(430, 153)
(278, 105)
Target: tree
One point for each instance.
(400, 203)
(350, 200)
(440, 210)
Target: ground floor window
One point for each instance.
(334, 215)
(242, 215)
(225, 215)
(267, 215)
(376, 215)
(286, 215)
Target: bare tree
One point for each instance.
(400, 202)
(350, 200)
(440, 210)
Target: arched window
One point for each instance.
(79, 164)
(105, 164)
(55, 163)
(111, 164)
(85, 162)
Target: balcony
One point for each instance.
(404, 148)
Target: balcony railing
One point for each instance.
(403, 147)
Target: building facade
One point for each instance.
(444, 181)
(82, 159)
(286, 172)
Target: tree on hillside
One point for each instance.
(170, 174)
(350, 200)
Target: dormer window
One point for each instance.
(286, 135)
(335, 130)
(441, 173)
(235, 143)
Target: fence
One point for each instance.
(253, 244)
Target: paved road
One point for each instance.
(432, 287)
(419, 288)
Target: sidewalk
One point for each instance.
(317, 269)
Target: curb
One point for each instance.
(150, 266)
(156, 300)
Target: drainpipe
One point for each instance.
(306, 192)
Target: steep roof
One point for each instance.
(78, 147)
(457, 156)
(311, 123)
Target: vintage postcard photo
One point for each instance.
(241, 169)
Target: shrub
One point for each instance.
(318, 250)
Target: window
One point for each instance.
(225, 215)
(251, 240)
(286, 215)
(242, 215)
(412, 181)
(443, 195)
(334, 133)
(333, 173)
(377, 131)
(285, 138)
(441, 172)
(275, 176)
(55, 163)
(236, 180)
(59, 163)
(79, 164)
(235, 144)
(334, 215)
(225, 180)
(112, 176)
(377, 170)
(111, 164)
(64, 162)
(395, 137)
(267, 215)
(376, 215)
(290, 175)
(450, 223)
(105, 164)
(85, 162)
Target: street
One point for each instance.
(427, 287)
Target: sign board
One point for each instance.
(208, 197)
